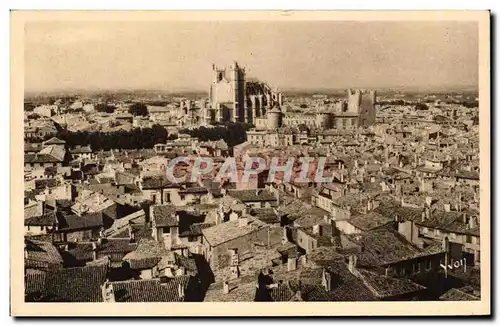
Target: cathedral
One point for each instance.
(233, 97)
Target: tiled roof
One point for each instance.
(32, 147)
(75, 222)
(43, 183)
(156, 183)
(345, 285)
(147, 254)
(458, 295)
(34, 209)
(324, 256)
(82, 251)
(79, 284)
(47, 219)
(196, 229)
(380, 247)
(393, 209)
(40, 158)
(41, 252)
(150, 290)
(252, 195)
(386, 286)
(227, 231)
(282, 293)
(54, 141)
(115, 245)
(448, 221)
(34, 281)
(241, 290)
(267, 215)
(81, 150)
(164, 215)
(309, 220)
(122, 223)
(370, 221)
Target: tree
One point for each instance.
(34, 116)
(421, 106)
(28, 107)
(104, 107)
(138, 109)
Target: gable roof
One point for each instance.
(369, 221)
(150, 290)
(40, 252)
(231, 230)
(54, 141)
(79, 284)
(252, 195)
(47, 219)
(76, 222)
(381, 247)
(147, 254)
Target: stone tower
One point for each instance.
(274, 118)
(324, 119)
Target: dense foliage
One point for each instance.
(421, 106)
(104, 107)
(231, 133)
(134, 139)
(138, 109)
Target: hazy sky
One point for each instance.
(179, 55)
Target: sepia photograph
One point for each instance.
(334, 163)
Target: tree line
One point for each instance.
(232, 133)
(134, 139)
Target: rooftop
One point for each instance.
(231, 230)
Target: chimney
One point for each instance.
(326, 219)
(447, 207)
(284, 235)
(472, 222)
(291, 264)
(225, 287)
(428, 201)
(180, 291)
(131, 234)
(402, 202)
(327, 280)
(427, 213)
(94, 250)
(303, 260)
(108, 293)
(242, 221)
(316, 229)
(369, 206)
(445, 244)
(352, 263)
